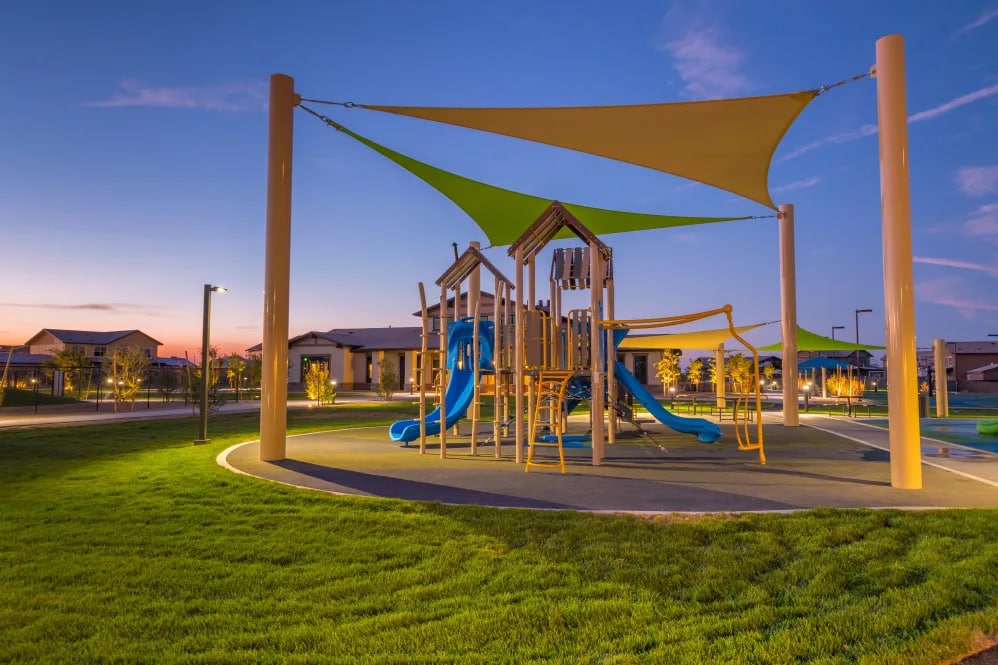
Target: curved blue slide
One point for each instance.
(461, 386)
(705, 430)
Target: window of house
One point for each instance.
(147, 353)
(76, 348)
(100, 351)
(435, 324)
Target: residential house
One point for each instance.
(93, 344)
(983, 379)
(355, 356)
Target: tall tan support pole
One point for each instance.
(277, 271)
(719, 372)
(518, 360)
(611, 360)
(444, 374)
(942, 388)
(596, 402)
(476, 364)
(899, 287)
(532, 282)
(425, 368)
(474, 282)
(497, 367)
(788, 315)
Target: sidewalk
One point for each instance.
(86, 412)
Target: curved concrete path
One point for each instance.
(808, 468)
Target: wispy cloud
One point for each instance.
(114, 307)
(983, 223)
(956, 263)
(953, 292)
(870, 130)
(707, 63)
(799, 184)
(954, 104)
(977, 180)
(986, 17)
(234, 96)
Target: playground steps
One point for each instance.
(549, 412)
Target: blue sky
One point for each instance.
(132, 166)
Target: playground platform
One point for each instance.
(666, 472)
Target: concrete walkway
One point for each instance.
(807, 468)
(86, 412)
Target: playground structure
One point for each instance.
(740, 135)
(546, 359)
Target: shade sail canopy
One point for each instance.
(809, 341)
(702, 339)
(504, 214)
(726, 143)
(823, 363)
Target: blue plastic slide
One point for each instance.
(705, 430)
(461, 386)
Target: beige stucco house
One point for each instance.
(93, 344)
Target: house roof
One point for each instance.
(24, 359)
(381, 339)
(555, 220)
(366, 339)
(88, 336)
(974, 347)
(172, 361)
(979, 370)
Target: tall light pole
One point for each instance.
(203, 432)
(834, 328)
(858, 312)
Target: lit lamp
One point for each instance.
(410, 385)
(34, 387)
(807, 397)
(208, 290)
(672, 397)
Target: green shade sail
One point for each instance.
(809, 341)
(504, 214)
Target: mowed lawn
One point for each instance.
(124, 543)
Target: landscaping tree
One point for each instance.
(235, 372)
(317, 384)
(388, 381)
(126, 369)
(695, 373)
(739, 369)
(74, 365)
(667, 369)
(844, 385)
(167, 382)
(254, 371)
(769, 372)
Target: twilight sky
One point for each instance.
(133, 157)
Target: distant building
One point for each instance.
(94, 345)
(355, 356)
(964, 359)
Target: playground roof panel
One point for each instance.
(550, 225)
(462, 267)
(725, 143)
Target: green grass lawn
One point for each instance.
(125, 543)
(16, 397)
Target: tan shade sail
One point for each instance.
(701, 339)
(726, 143)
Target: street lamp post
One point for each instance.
(858, 312)
(34, 387)
(205, 334)
(834, 328)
